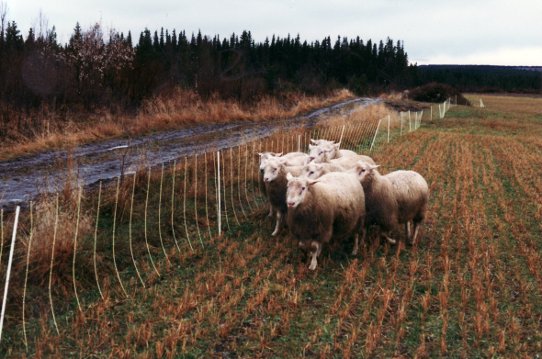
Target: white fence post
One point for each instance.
(10, 261)
(389, 122)
(219, 206)
(376, 132)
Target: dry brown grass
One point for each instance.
(181, 108)
(524, 104)
(369, 113)
(470, 287)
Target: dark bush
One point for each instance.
(437, 92)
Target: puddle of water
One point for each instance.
(24, 178)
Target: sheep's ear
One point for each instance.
(337, 145)
(311, 146)
(313, 141)
(278, 154)
(311, 182)
(289, 176)
(373, 167)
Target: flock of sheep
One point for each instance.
(333, 193)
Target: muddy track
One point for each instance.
(23, 178)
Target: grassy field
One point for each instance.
(471, 286)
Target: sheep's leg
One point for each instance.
(356, 244)
(314, 254)
(389, 239)
(356, 241)
(270, 211)
(415, 235)
(277, 225)
(407, 230)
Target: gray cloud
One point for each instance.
(431, 29)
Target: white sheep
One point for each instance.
(322, 142)
(316, 170)
(327, 151)
(274, 177)
(396, 198)
(289, 159)
(332, 206)
(349, 162)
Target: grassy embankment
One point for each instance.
(27, 133)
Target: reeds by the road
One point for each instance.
(32, 132)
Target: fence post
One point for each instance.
(298, 143)
(51, 266)
(96, 239)
(75, 247)
(389, 122)
(29, 247)
(10, 261)
(1, 233)
(376, 132)
(219, 206)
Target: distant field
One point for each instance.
(471, 287)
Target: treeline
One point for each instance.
(483, 78)
(114, 70)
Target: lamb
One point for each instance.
(290, 159)
(349, 162)
(334, 151)
(396, 198)
(275, 183)
(332, 206)
(322, 142)
(327, 151)
(317, 170)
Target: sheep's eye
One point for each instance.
(311, 172)
(302, 188)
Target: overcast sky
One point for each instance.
(434, 31)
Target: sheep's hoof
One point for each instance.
(312, 266)
(355, 252)
(275, 233)
(391, 240)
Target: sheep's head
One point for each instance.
(333, 152)
(264, 157)
(322, 142)
(297, 190)
(272, 169)
(313, 170)
(318, 154)
(365, 171)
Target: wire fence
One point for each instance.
(77, 247)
